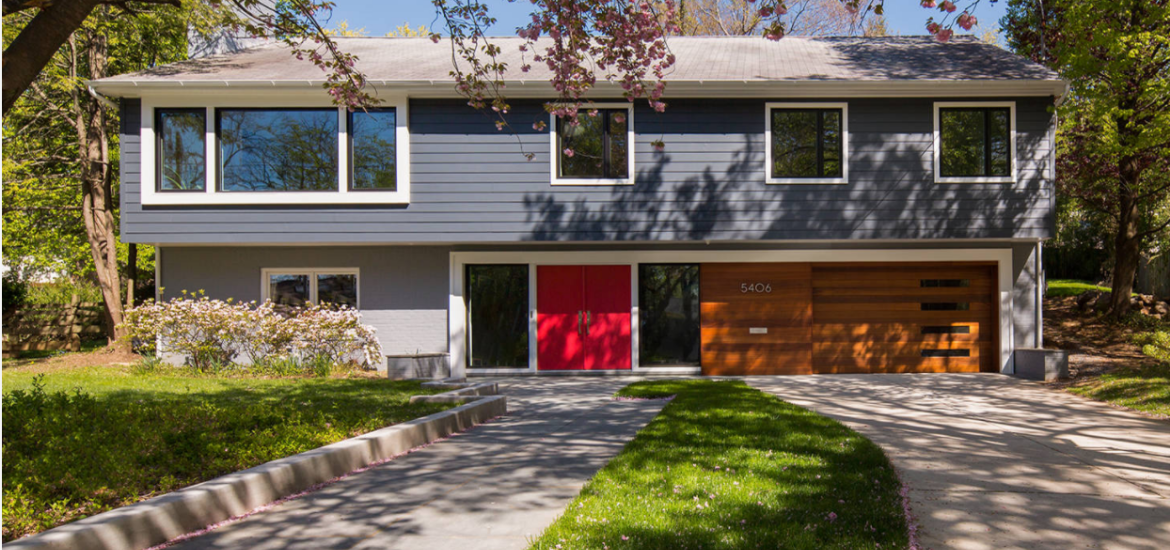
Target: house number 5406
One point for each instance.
(762, 288)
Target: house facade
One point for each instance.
(820, 206)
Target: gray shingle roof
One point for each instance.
(903, 59)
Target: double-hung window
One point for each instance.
(807, 143)
(594, 148)
(301, 287)
(974, 142)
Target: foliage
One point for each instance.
(1156, 344)
(61, 293)
(69, 453)
(727, 466)
(1145, 388)
(212, 334)
(1113, 154)
(15, 291)
(802, 18)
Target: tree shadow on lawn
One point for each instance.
(727, 466)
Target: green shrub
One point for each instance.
(61, 293)
(1155, 344)
(15, 292)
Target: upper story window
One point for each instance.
(277, 149)
(182, 148)
(974, 142)
(807, 143)
(290, 147)
(595, 148)
(372, 153)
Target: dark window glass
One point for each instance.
(289, 290)
(372, 150)
(277, 149)
(598, 142)
(946, 353)
(946, 306)
(668, 311)
(975, 142)
(497, 315)
(806, 143)
(945, 283)
(182, 138)
(338, 290)
(962, 329)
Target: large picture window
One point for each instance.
(372, 150)
(497, 315)
(277, 149)
(597, 147)
(974, 143)
(181, 149)
(668, 313)
(300, 288)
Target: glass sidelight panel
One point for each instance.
(668, 312)
(497, 316)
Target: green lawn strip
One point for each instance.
(1145, 389)
(69, 452)
(727, 466)
(1058, 288)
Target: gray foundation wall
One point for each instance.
(402, 290)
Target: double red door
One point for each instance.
(583, 317)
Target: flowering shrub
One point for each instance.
(212, 334)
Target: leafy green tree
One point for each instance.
(1114, 146)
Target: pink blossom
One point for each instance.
(568, 152)
(832, 516)
(945, 35)
(967, 21)
(929, 4)
(949, 6)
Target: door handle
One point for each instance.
(578, 321)
(588, 321)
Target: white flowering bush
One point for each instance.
(212, 334)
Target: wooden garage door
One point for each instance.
(801, 318)
(937, 317)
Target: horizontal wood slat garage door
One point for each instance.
(848, 318)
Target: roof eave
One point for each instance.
(674, 88)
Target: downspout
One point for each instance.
(1041, 288)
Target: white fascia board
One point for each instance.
(674, 89)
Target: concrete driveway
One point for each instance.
(995, 462)
(491, 488)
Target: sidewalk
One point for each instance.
(493, 487)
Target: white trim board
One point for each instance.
(457, 313)
(555, 155)
(211, 195)
(937, 144)
(844, 179)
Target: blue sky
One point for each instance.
(380, 16)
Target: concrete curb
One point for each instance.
(165, 517)
(462, 393)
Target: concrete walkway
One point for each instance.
(491, 488)
(995, 462)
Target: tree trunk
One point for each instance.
(97, 208)
(38, 42)
(1127, 252)
(131, 273)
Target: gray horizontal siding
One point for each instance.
(470, 183)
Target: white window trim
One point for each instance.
(938, 178)
(843, 180)
(457, 312)
(555, 154)
(212, 196)
(267, 272)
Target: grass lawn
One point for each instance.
(726, 466)
(1145, 388)
(1058, 288)
(82, 441)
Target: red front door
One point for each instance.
(583, 317)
